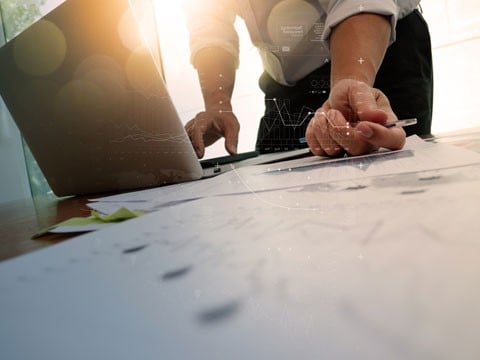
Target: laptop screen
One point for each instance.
(83, 85)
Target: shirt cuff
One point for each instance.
(344, 9)
(199, 45)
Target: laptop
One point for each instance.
(84, 86)
(86, 93)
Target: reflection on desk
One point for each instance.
(466, 139)
(20, 220)
(370, 267)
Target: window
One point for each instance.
(20, 173)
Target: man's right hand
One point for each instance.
(209, 126)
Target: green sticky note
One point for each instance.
(117, 216)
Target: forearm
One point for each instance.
(216, 71)
(357, 47)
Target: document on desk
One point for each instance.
(417, 155)
(376, 267)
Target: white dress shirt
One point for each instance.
(291, 35)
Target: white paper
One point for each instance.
(364, 264)
(64, 229)
(416, 156)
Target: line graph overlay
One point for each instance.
(281, 127)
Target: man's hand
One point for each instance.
(209, 126)
(352, 120)
(216, 72)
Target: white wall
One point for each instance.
(455, 31)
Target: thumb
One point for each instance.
(379, 136)
(373, 115)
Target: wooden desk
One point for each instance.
(20, 220)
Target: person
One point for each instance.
(335, 72)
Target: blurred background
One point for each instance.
(454, 27)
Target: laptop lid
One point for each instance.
(87, 95)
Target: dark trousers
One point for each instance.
(406, 78)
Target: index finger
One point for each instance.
(230, 132)
(370, 104)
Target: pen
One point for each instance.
(401, 123)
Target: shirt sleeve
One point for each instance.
(210, 24)
(339, 10)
